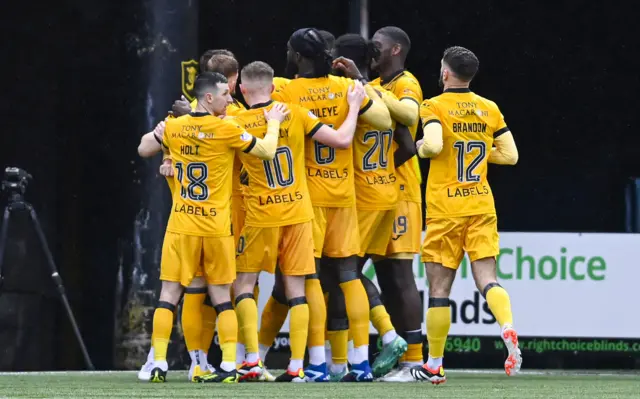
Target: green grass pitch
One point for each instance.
(461, 384)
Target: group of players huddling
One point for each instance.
(317, 176)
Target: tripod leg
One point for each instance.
(58, 281)
(3, 240)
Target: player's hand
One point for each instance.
(356, 94)
(278, 112)
(419, 144)
(347, 66)
(166, 169)
(180, 107)
(158, 131)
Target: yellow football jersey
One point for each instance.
(405, 85)
(329, 171)
(277, 194)
(279, 83)
(373, 164)
(202, 147)
(457, 184)
(232, 110)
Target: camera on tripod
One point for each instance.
(15, 185)
(15, 181)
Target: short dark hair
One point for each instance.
(206, 56)
(224, 64)
(204, 59)
(328, 37)
(356, 48)
(398, 36)
(206, 82)
(462, 62)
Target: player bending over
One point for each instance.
(199, 229)
(460, 130)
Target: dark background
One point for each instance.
(83, 80)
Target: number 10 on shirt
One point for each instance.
(275, 171)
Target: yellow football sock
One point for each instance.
(273, 316)
(357, 304)
(209, 316)
(227, 333)
(192, 320)
(381, 320)
(298, 328)
(162, 325)
(339, 345)
(438, 324)
(500, 305)
(413, 354)
(256, 293)
(317, 312)
(247, 312)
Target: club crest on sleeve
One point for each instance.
(189, 72)
(245, 136)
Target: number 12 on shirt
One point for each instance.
(465, 174)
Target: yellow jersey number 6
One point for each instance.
(325, 155)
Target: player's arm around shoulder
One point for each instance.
(404, 110)
(505, 151)
(266, 147)
(431, 144)
(343, 136)
(374, 111)
(153, 142)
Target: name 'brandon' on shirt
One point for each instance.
(469, 127)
